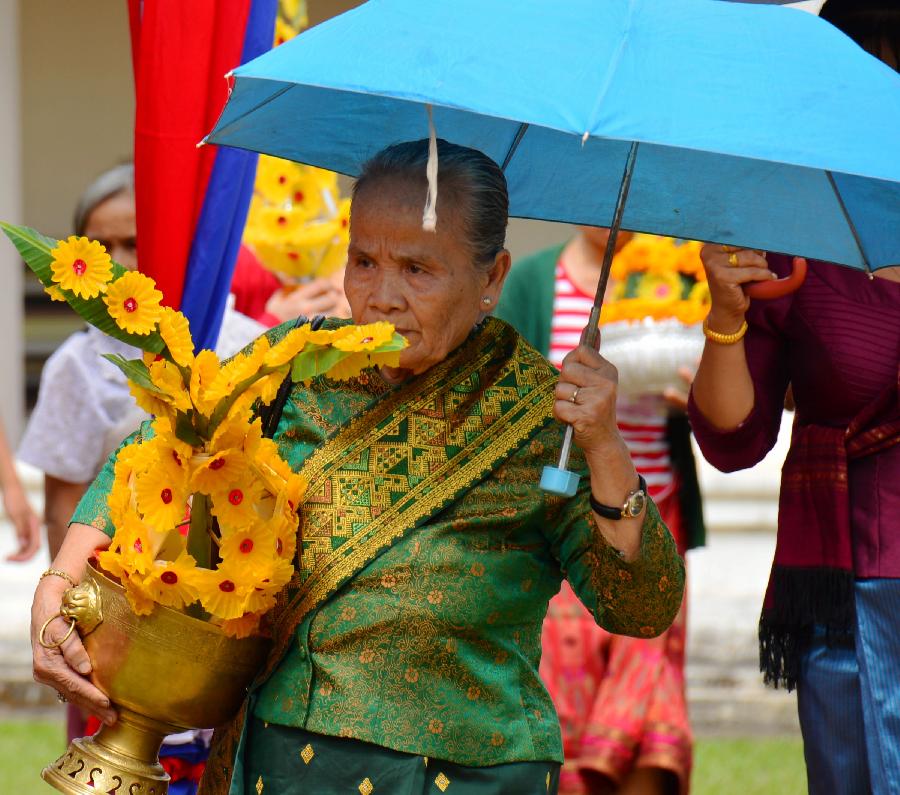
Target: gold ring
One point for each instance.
(733, 260)
(57, 643)
(574, 397)
(61, 698)
(729, 249)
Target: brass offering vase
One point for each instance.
(163, 673)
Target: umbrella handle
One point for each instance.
(558, 479)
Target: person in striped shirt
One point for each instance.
(621, 701)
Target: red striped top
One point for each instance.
(642, 422)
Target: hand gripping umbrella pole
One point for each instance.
(558, 479)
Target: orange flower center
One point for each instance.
(138, 546)
(218, 463)
(176, 457)
(226, 585)
(282, 220)
(298, 196)
(166, 496)
(282, 179)
(278, 545)
(169, 577)
(79, 266)
(344, 223)
(293, 255)
(246, 546)
(368, 339)
(130, 305)
(235, 496)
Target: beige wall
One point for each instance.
(10, 210)
(77, 102)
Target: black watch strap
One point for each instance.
(608, 511)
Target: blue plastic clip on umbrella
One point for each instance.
(743, 124)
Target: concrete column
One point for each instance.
(11, 349)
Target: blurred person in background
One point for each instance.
(829, 620)
(621, 700)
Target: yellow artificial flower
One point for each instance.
(282, 352)
(133, 302)
(283, 32)
(162, 496)
(279, 224)
(233, 503)
(237, 434)
(277, 573)
(137, 543)
(365, 338)
(274, 183)
(172, 583)
(270, 466)
(203, 372)
(214, 472)
(139, 599)
(243, 626)
(81, 266)
(168, 379)
(286, 538)
(149, 401)
(176, 333)
(238, 369)
(169, 446)
(55, 293)
(251, 547)
(224, 592)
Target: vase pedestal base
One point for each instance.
(118, 760)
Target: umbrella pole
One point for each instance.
(558, 479)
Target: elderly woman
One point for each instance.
(406, 652)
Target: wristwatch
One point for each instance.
(634, 504)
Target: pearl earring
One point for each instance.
(485, 300)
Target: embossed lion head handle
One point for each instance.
(81, 607)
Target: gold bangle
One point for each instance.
(60, 573)
(724, 339)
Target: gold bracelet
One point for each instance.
(60, 573)
(724, 339)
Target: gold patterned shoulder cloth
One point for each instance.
(392, 468)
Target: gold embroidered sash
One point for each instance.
(408, 457)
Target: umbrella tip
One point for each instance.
(585, 137)
(202, 142)
(229, 74)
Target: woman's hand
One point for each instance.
(317, 297)
(727, 269)
(586, 398)
(677, 398)
(66, 667)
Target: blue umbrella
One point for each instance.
(746, 124)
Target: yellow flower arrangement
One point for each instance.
(658, 278)
(298, 224)
(204, 508)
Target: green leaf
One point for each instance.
(135, 371)
(35, 249)
(184, 430)
(316, 361)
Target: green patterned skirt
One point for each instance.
(281, 760)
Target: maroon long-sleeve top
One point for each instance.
(837, 342)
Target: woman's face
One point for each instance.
(425, 283)
(112, 223)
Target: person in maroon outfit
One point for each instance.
(828, 623)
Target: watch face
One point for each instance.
(635, 504)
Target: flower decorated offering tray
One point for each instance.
(650, 325)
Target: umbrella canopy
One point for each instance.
(757, 125)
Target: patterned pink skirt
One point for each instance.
(621, 701)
